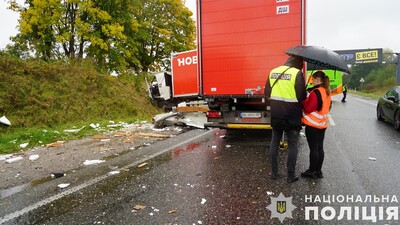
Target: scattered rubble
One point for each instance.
(192, 116)
(64, 157)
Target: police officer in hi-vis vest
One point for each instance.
(285, 88)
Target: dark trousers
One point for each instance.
(293, 140)
(344, 96)
(315, 140)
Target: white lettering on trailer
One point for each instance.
(282, 9)
(187, 61)
(282, 1)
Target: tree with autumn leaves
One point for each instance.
(118, 35)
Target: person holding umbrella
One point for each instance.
(315, 116)
(317, 105)
(285, 87)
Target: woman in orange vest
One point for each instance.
(315, 116)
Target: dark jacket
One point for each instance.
(289, 110)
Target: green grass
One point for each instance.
(42, 99)
(374, 95)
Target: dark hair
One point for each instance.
(325, 80)
(295, 61)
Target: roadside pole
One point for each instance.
(398, 68)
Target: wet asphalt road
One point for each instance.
(222, 177)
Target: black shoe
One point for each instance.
(319, 174)
(310, 174)
(292, 179)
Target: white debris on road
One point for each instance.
(114, 172)
(33, 157)
(92, 162)
(14, 159)
(63, 185)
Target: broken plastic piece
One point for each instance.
(4, 157)
(94, 126)
(5, 121)
(114, 172)
(23, 145)
(63, 185)
(33, 157)
(14, 159)
(91, 162)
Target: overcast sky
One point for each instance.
(333, 24)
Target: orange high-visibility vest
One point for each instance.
(319, 119)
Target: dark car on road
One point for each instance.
(388, 107)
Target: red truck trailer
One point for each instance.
(239, 43)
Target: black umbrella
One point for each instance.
(319, 56)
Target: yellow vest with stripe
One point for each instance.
(284, 88)
(319, 119)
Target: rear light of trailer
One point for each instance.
(214, 114)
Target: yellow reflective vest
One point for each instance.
(319, 119)
(284, 88)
